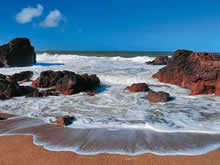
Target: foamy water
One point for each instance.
(115, 108)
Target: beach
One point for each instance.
(20, 150)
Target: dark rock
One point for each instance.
(73, 83)
(3, 77)
(65, 120)
(159, 60)
(9, 89)
(18, 52)
(199, 72)
(156, 97)
(139, 87)
(22, 76)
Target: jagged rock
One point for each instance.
(156, 97)
(43, 93)
(138, 87)
(18, 52)
(199, 72)
(159, 60)
(91, 93)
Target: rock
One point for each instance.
(9, 89)
(65, 120)
(43, 93)
(22, 76)
(91, 93)
(73, 83)
(159, 60)
(139, 87)
(156, 97)
(3, 77)
(199, 72)
(18, 52)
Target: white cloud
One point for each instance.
(53, 19)
(27, 14)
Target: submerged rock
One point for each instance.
(160, 60)
(138, 87)
(18, 52)
(65, 120)
(199, 72)
(156, 97)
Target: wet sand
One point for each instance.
(20, 150)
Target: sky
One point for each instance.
(131, 25)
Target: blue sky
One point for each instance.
(150, 25)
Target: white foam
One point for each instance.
(113, 106)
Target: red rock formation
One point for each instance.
(156, 97)
(139, 87)
(67, 82)
(65, 120)
(199, 72)
(160, 60)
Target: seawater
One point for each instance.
(113, 108)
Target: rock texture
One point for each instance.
(22, 76)
(65, 120)
(67, 82)
(90, 93)
(9, 89)
(138, 87)
(43, 93)
(18, 52)
(156, 97)
(160, 60)
(199, 72)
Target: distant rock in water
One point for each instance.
(18, 52)
(199, 72)
(67, 82)
(160, 60)
(139, 87)
(156, 97)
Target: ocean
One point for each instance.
(125, 119)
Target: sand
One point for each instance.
(20, 150)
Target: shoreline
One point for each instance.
(20, 150)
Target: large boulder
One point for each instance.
(138, 87)
(73, 83)
(199, 72)
(156, 97)
(66, 82)
(18, 52)
(160, 60)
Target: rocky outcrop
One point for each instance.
(65, 120)
(138, 87)
(199, 72)
(18, 52)
(156, 97)
(159, 60)
(67, 82)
